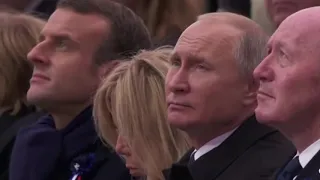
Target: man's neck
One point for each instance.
(200, 136)
(66, 114)
(304, 136)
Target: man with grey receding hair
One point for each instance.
(211, 95)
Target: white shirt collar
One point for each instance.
(212, 144)
(306, 155)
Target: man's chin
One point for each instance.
(179, 123)
(38, 99)
(265, 118)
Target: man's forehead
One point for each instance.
(198, 40)
(70, 22)
(290, 33)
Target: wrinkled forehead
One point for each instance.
(206, 39)
(75, 24)
(297, 35)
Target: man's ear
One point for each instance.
(106, 68)
(250, 96)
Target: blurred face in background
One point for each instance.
(281, 9)
(16, 4)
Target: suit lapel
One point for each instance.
(312, 170)
(180, 169)
(276, 174)
(215, 162)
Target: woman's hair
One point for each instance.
(18, 35)
(131, 102)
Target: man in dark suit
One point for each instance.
(79, 45)
(211, 95)
(288, 96)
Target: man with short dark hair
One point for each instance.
(211, 95)
(81, 43)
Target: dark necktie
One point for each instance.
(191, 160)
(291, 170)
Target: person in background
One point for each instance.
(17, 5)
(130, 115)
(40, 8)
(211, 95)
(165, 19)
(279, 10)
(81, 42)
(19, 33)
(288, 96)
(259, 15)
(242, 7)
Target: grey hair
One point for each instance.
(249, 47)
(249, 51)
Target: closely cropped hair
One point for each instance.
(249, 51)
(18, 35)
(250, 47)
(128, 32)
(131, 101)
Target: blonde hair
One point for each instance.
(18, 34)
(132, 100)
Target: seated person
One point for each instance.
(130, 114)
(19, 33)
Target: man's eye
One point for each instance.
(175, 63)
(283, 59)
(61, 45)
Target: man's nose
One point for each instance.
(177, 81)
(38, 54)
(263, 72)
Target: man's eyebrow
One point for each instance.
(193, 57)
(59, 37)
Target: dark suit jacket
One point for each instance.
(106, 164)
(9, 126)
(252, 152)
(310, 172)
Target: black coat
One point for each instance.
(9, 127)
(41, 152)
(310, 172)
(252, 152)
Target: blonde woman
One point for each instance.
(18, 34)
(130, 115)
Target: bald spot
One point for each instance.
(301, 28)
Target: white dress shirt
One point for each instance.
(306, 155)
(211, 144)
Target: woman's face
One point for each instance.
(124, 150)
